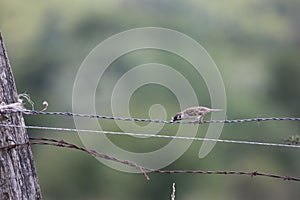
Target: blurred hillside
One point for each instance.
(255, 45)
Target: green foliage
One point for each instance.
(255, 44)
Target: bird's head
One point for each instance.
(177, 117)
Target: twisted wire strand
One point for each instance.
(252, 174)
(141, 169)
(71, 114)
(19, 107)
(152, 135)
(64, 144)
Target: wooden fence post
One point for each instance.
(18, 178)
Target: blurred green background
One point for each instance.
(254, 43)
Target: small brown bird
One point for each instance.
(197, 112)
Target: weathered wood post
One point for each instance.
(18, 178)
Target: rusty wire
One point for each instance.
(141, 169)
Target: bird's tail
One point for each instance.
(216, 110)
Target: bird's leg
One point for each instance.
(196, 121)
(201, 119)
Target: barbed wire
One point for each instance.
(252, 173)
(18, 107)
(62, 143)
(142, 135)
(141, 169)
(259, 119)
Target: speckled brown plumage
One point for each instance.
(197, 112)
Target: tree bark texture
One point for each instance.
(18, 177)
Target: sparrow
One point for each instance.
(197, 112)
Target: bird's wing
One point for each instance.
(193, 111)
